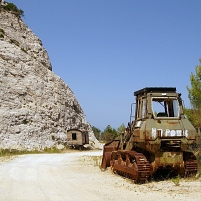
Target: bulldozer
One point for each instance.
(158, 137)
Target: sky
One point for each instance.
(104, 50)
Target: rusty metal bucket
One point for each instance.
(108, 148)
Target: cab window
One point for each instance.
(142, 108)
(165, 107)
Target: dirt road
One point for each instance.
(76, 176)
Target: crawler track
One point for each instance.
(191, 165)
(130, 164)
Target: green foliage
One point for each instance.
(96, 132)
(13, 152)
(121, 128)
(52, 150)
(194, 116)
(176, 180)
(13, 9)
(194, 113)
(198, 175)
(109, 134)
(2, 33)
(195, 90)
(194, 94)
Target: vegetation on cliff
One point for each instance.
(13, 9)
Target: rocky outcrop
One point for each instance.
(2, 2)
(36, 106)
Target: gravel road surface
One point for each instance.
(76, 176)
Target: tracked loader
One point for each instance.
(158, 136)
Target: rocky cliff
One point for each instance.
(36, 106)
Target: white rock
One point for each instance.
(35, 104)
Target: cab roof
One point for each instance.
(155, 89)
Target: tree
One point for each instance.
(121, 128)
(194, 94)
(109, 134)
(96, 132)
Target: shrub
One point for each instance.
(2, 31)
(176, 180)
(13, 9)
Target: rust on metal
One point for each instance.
(130, 164)
(108, 148)
(191, 164)
(159, 137)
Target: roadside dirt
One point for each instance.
(77, 176)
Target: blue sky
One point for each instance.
(105, 50)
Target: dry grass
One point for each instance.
(92, 160)
(13, 152)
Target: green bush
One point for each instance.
(2, 31)
(176, 180)
(13, 9)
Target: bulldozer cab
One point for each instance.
(159, 114)
(156, 103)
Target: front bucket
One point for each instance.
(108, 148)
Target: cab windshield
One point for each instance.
(165, 107)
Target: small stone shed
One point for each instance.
(77, 138)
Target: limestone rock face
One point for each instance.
(36, 106)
